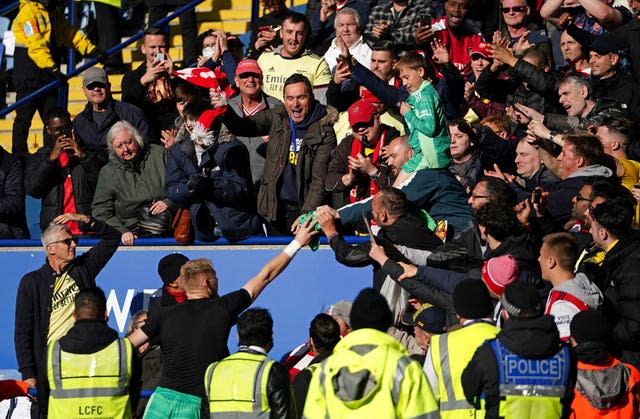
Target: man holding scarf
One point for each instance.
(356, 167)
(301, 138)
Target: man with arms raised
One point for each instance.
(194, 334)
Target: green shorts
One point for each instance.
(171, 404)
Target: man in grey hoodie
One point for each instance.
(571, 293)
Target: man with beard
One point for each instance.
(356, 168)
(292, 58)
(301, 138)
(453, 32)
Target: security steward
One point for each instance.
(450, 353)
(91, 372)
(369, 374)
(41, 30)
(248, 383)
(524, 372)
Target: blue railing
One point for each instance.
(56, 83)
(251, 241)
(6, 8)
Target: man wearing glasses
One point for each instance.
(101, 112)
(45, 298)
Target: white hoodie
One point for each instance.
(563, 310)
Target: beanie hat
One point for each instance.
(590, 326)
(370, 310)
(500, 271)
(471, 299)
(169, 267)
(522, 300)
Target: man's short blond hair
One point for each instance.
(194, 268)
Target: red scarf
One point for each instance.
(68, 200)
(358, 148)
(179, 296)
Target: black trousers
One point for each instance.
(24, 115)
(189, 29)
(107, 22)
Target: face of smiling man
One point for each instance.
(297, 100)
(293, 37)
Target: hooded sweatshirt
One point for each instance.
(569, 298)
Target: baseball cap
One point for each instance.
(429, 318)
(248, 66)
(603, 46)
(361, 112)
(93, 75)
(482, 49)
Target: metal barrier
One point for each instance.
(56, 83)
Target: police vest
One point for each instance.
(236, 387)
(531, 388)
(90, 385)
(450, 355)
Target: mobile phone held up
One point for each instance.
(425, 20)
(159, 56)
(537, 196)
(538, 37)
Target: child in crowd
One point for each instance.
(424, 113)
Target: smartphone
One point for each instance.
(425, 20)
(159, 56)
(264, 28)
(66, 131)
(537, 196)
(538, 37)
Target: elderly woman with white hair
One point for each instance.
(129, 195)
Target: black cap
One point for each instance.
(603, 46)
(471, 299)
(522, 300)
(429, 318)
(370, 311)
(590, 326)
(169, 267)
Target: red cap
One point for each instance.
(361, 112)
(482, 48)
(248, 66)
(500, 271)
(366, 94)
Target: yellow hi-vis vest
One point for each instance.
(369, 375)
(450, 354)
(90, 385)
(236, 387)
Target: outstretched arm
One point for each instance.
(275, 266)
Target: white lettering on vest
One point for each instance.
(530, 368)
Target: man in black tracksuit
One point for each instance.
(44, 301)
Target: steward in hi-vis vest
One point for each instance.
(370, 374)
(450, 353)
(525, 372)
(90, 370)
(248, 384)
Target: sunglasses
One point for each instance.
(94, 85)
(582, 198)
(66, 241)
(247, 75)
(516, 9)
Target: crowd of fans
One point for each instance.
(488, 148)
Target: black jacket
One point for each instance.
(90, 336)
(409, 231)
(33, 300)
(622, 295)
(528, 338)
(94, 136)
(622, 87)
(13, 220)
(44, 179)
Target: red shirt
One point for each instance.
(459, 48)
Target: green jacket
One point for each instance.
(428, 131)
(369, 375)
(124, 187)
